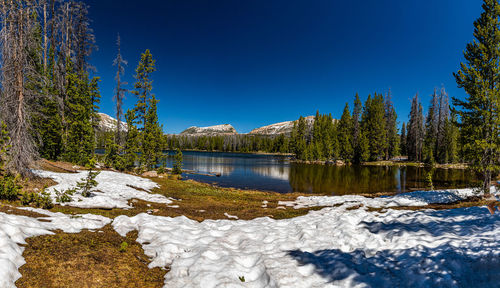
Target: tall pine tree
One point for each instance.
(143, 87)
(152, 135)
(119, 62)
(415, 135)
(356, 128)
(344, 135)
(131, 150)
(480, 78)
(79, 144)
(392, 138)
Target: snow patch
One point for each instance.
(108, 123)
(210, 130)
(15, 229)
(332, 247)
(416, 198)
(282, 127)
(113, 190)
(230, 216)
(350, 201)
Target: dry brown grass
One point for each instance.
(9, 209)
(87, 259)
(200, 201)
(56, 166)
(37, 184)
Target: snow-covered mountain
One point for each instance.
(108, 123)
(280, 128)
(224, 129)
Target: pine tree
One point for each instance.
(344, 135)
(392, 138)
(45, 115)
(443, 119)
(119, 62)
(298, 138)
(177, 167)
(79, 144)
(143, 86)
(364, 148)
(48, 125)
(431, 130)
(131, 148)
(95, 99)
(480, 78)
(415, 135)
(356, 128)
(403, 140)
(451, 139)
(152, 135)
(374, 126)
(329, 142)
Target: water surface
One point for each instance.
(279, 174)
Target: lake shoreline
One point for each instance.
(460, 166)
(237, 152)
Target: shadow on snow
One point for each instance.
(467, 253)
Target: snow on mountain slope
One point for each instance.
(224, 129)
(108, 123)
(281, 128)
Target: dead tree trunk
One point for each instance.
(16, 68)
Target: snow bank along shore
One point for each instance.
(335, 246)
(113, 191)
(416, 198)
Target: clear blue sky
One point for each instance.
(256, 62)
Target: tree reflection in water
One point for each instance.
(354, 179)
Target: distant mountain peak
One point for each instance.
(108, 123)
(224, 129)
(280, 128)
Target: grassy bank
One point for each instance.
(388, 163)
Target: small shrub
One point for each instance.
(88, 183)
(39, 200)
(64, 196)
(44, 200)
(10, 187)
(120, 163)
(161, 170)
(27, 198)
(428, 179)
(123, 247)
(242, 278)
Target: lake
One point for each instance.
(279, 174)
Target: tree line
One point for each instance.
(434, 138)
(369, 133)
(229, 143)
